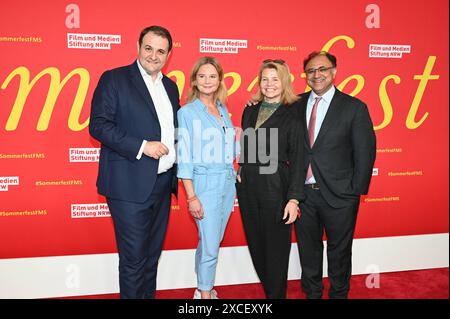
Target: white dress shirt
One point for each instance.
(322, 109)
(165, 114)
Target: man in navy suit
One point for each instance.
(133, 115)
(340, 149)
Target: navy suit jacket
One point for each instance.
(122, 116)
(343, 153)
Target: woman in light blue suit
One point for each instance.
(206, 150)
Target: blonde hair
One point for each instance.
(193, 93)
(287, 95)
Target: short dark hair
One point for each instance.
(313, 54)
(159, 31)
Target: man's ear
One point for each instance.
(334, 71)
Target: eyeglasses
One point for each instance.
(278, 61)
(322, 70)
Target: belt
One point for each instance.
(313, 186)
(228, 170)
(264, 164)
(202, 170)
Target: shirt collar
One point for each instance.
(326, 97)
(146, 75)
(203, 106)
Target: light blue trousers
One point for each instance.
(215, 188)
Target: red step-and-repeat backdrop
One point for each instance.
(391, 54)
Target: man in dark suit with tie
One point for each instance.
(133, 115)
(340, 147)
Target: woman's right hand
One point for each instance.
(196, 209)
(251, 102)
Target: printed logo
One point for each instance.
(92, 41)
(375, 172)
(84, 155)
(390, 51)
(6, 181)
(90, 210)
(221, 45)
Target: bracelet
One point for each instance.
(191, 199)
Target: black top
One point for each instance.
(285, 129)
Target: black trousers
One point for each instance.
(140, 229)
(339, 225)
(261, 201)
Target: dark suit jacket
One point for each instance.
(343, 153)
(122, 116)
(290, 150)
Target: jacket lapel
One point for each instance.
(254, 115)
(303, 104)
(331, 117)
(172, 97)
(138, 81)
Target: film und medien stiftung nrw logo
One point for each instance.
(83, 154)
(89, 210)
(6, 181)
(92, 41)
(221, 45)
(390, 51)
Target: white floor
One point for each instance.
(80, 275)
